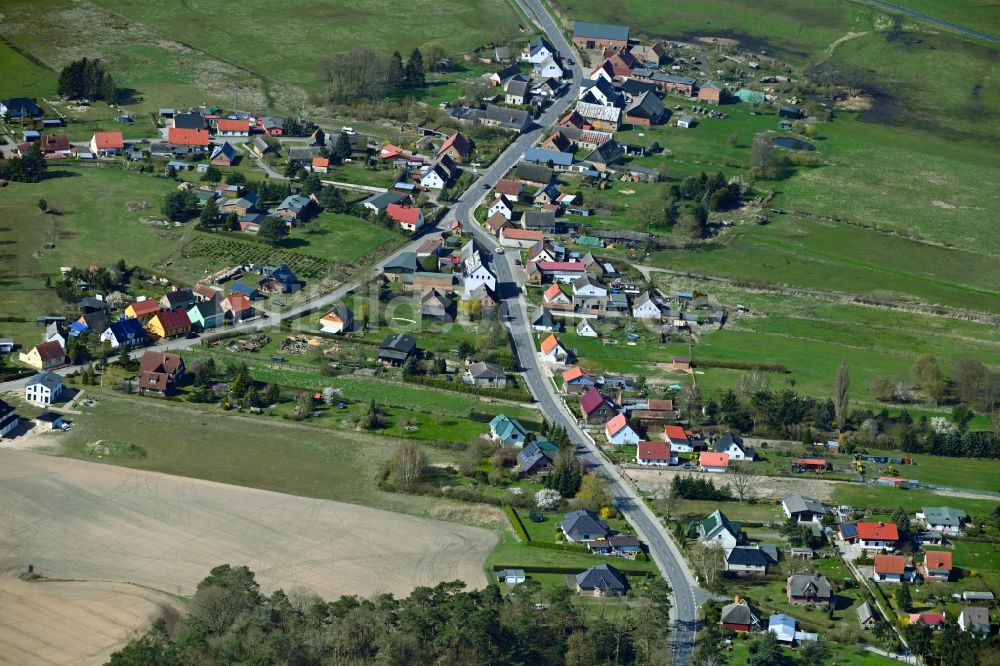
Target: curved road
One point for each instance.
(941, 23)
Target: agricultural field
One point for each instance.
(227, 250)
(962, 473)
(22, 76)
(855, 494)
(982, 15)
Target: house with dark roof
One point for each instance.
(583, 525)
(435, 305)
(748, 560)
(517, 91)
(9, 420)
(128, 332)
(533, 174)
(20, 107)
(44, 356)
(731, 444)
(606, 155)
(544, 321)
(338, 319)
(645, 110)
(511, 120)
(803, 509)
(281, 280)
(507, 431)
(975, 620)
(397, 348)
(206, 315)
(867, 616)
(178, 298)
(404, 264)
(224, 155)
(588, 35)
(809, 590)
(43, 389)
(536, 459)
(601, 581)
(293, 209)
(485, 375)
(739, 616)
(617, 545)
(943, 519)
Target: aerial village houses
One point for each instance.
(553, 351)
(409, 218)
(809, 590)
(619, 431)
(507, 431)
(891, 569)
(9, 420)
(43, 389)
(105, 144)
(160, 374)
(599, 35)
(710, 461)
(596, 409)
(44, 356)
(655, 453)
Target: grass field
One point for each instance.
(964, 473)
(979, 561)
(982, 15)
(339, 239)
(21, 76)
(854, 494)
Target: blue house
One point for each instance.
(128, 332)
(281, 280)
(20, 107)
(507, 431)
(245, 289)
(207, 314)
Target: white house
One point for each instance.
(891, 569)
(553, 351)
(619, 431)
(803, 509)
(537, 51)
(586, 330)
(43, 389)
(643, 307)
(975, 619)
(435, 178)
(733, 445)
(717, 530)
(554, 295)
(480, 275)
(655, 453)
(548, 69)
(943, 519)
(878, 536)
(503, 206)
(587, 291)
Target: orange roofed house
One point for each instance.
(891, 569)
(160, 374)
(575, 380)
(143, 310)
(177, 136)
(553, 351)
(107, 143)
(679, 438)
(713, 462)
(457, 147)
(232, 127)
(878, 536)
(409, 218)
(937, 566)
(524, 238)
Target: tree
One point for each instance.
(414, 70)
(918, 636)
(690, 226)
(180, 205)
(765, 650)
(235, 178)
(593, 493)
(650, 213)
(43, 205)
(813, 652)
(272, 230)
(763, 160)
(961, 416)
(27, 168)
(407, 463)
(342, 147)
(547, 499)
(212, 174)
(432, 53)
(172, 172)
(332, 199)
(709, 561)
(904, 601)
(883, 389)
(842, 393)
(311, 185)
(744, 481)
(671, 212)
(395, 76)
(242, 383)
(957, 647)
(472, 309)
(209, 214)
(927, 373)
(689, 400)
(87, 79)
(232, 222)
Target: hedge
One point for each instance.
(515, 521)
(567, 570)
(566, 547)
(512, 394)
(739, 365)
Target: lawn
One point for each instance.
(982, 15)
(963, 473)
(739, 653)
(978, 560)
(740, 511)
(22, 76)
(339, 239)
(854, 494)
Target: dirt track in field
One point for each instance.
(85, 521)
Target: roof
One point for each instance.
(238, 301)
(676, 433)
(153, 361)
(975, 615)
(282, 274)
(383, 199)
(718, 521)
(549, 343)
(508, 118)
(575, 372)
(148, 306)
(738, 612)
(458, 142)
(189, 121)
(403, 214)
(503, 426)
(582, 522)
(232, 125)
(552, 291)
(801, 504)
(496, 222)
(207, 309)
(517, 87)
(49, 380)
(400, 342)
(646, 105)
(510, 188)
(865, 612)
(944, 515)
(849, 530)
(710, 459)
(727, 439)
(616, 425)
(601, 577)
(543, 156)
(535, 173)
(406, 261)
(782, 625)
(48, 351)
(890, 564)
(523, 234)
(654, 451)
(798, 584)
(938, 559)
(562, 266)
(127, 328)
(748, 557)
(243, 289)
(187, 137)
(109, 140)
(600, 31)
(811, 461)
(172, 319)
(878, 531)
(591, 400)
(599, 111)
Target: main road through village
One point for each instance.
(666, 555)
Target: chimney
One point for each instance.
(881, 524)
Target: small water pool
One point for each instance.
(792, 143)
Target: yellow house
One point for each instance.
(143, 310)
(169, 324)
(44, 356)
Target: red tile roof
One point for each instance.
(187, 137)
(405, 214)
(321, 162)
(661, 405)
(810, 461)
(549, 343)
(238, 302)
(52, 143)
(171, 320)
(523, 234)
(49, 350)
(232, 125)
(675, 433)
(878, 532)
(890, 564)
(458, 142)
(712, 459)
(654, 451)
(574, 373)
(591, 400)
(148, 306)
(616, 425)
(552, 291)
(510, 188)
(938, 559)
(109, 140)
(564, 266)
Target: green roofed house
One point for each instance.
(507, 431)
(207, 314)
(750, 96)
(718, 530)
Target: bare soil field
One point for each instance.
(56, 622)
(651, 481)
(82, 521)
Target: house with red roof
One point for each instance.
(409, 218)
(710, 461)
(937, 566)
(558, 271)
(44, 356)
(932, 620)
(891, 569)
(496, 223)
(236, 307)
(679, 438)
(167, 324)
(619, 431)
(177, 136)
(522, 238)
(320, 165)
(509, 188)
(457, 147)
(655, 453)
(553, 351)
(556, 298)
(596, 408)
(107, 143)
(575, 380)
(232, 127)
(144, 309)
(878, 536)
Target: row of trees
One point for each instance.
(363, 73)
(232, 622)
(87, 79)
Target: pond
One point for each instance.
(792, 143)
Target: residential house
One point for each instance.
(236, 307)
(409, 218)
(457, 147)
(543, 320)
(53, 144)
(95, 322)
(439, 174)
(517, 91)
(507, 431)
(511, 576)
(196, 138)
(655, 453)
(932, 620)
(536, 459)
(379, 202)
(937, 565)
(397, 348)
(317, 139)
(943, 519)
(739, 616)
(44, 356)
(511, 120)
(294, 209)
(533, 174)
(167, 324)
(975, 620)
(605, 156)
(281, 280)
(260, 147)
(556, 298)
(520, 238)
(686, 122)
(43, 389)
(543, 220)
(586, 329)
(733, 446)
(404, 264)
(711, 461)
(546, 251)
(500, 78)
(485, 375)
(599, 35)
(243, 206)
(486, 296)
(645, 110)
(679, 438)
(596, 408)
(599, 92)
(247, 290)
(619, 431)
(877, 536)
(20, 108)
(160, 374)
(9, 420)
(717, 530)
(178, 298)
(650, 55)
(548, 69)
(803, 509)
(602, 580)
(502, 205)
(538, 50)
(496, 223)
(600, 116)
(224, 155)
(588, 293)
(339, 319)
(583, 525)
(206, 315)
(575, 380)
(128, 332)
(232, 127)
(618, 545)
(783, 627)
(809, 590)
(748, 560)
(712, 92)
(509, 188)
(50, 421)
(143, 309)
(552, 350)
(867, 616)
(891, 569)
(643, 307)
(106, 144)
(435, 305)
(320, 165)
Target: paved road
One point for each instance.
(941, 23)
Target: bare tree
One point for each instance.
(407, 463)
(744, 481)
(842, 393)
(650, 212)
(752, 382)
(668, 501)
(708, 560)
